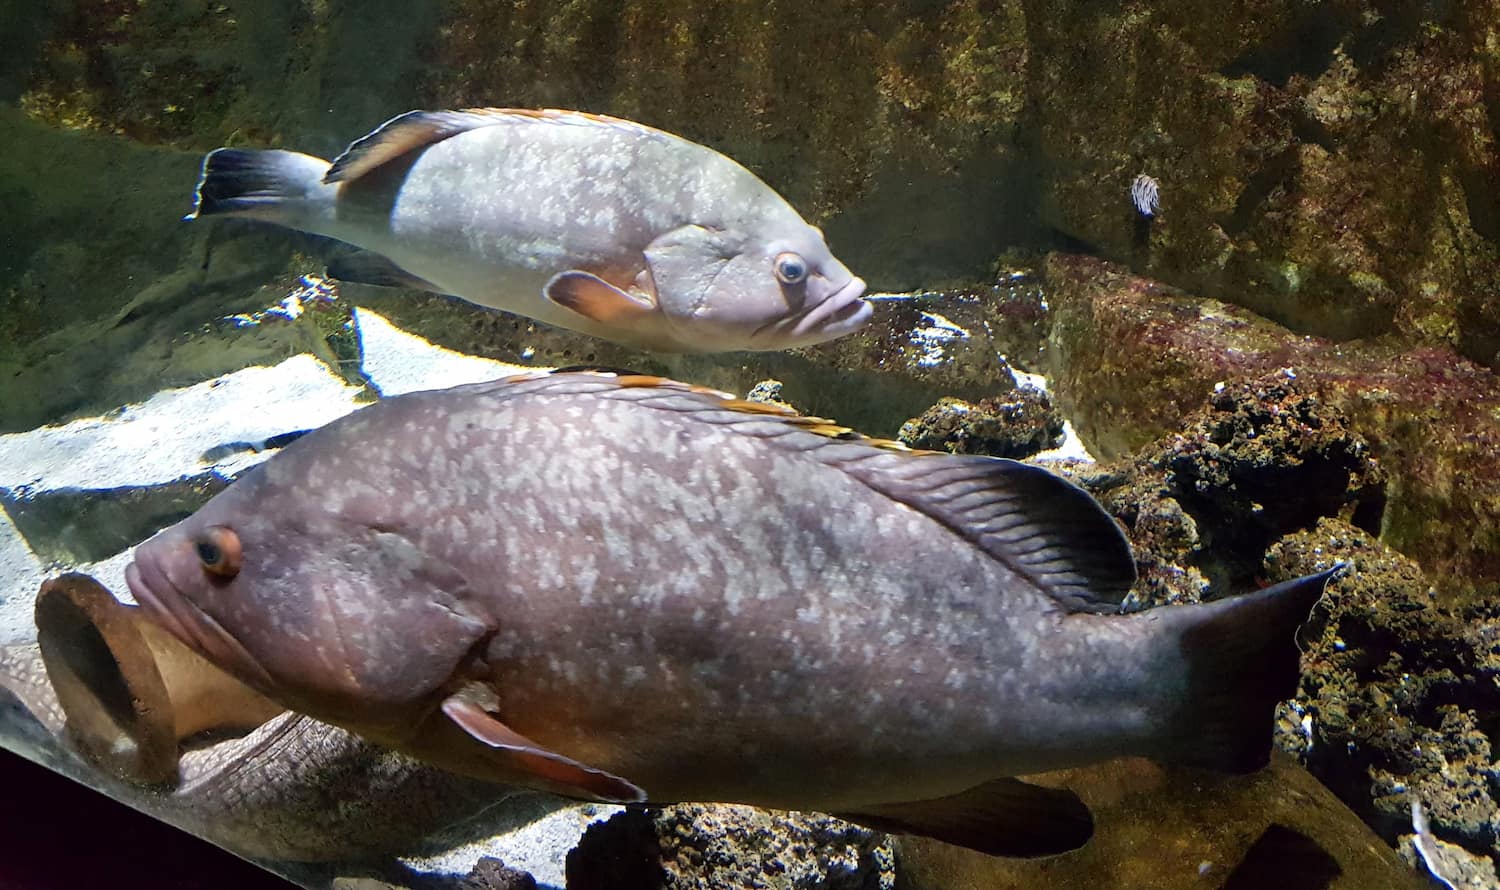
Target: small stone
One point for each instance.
(769, 392)
(1017, 424)
(490, 873)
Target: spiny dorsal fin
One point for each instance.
(415, 129)
(1034, 522)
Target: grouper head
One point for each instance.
(773, 284)
(251, 583)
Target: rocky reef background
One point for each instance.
(1292, 362)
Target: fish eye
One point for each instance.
(219, 551)
(790, 268)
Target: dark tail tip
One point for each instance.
(1242, 660)
(236, 180)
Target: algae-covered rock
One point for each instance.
(85, 220)
(1260, 459)
(1016, 424)
(1265, 457)
(1132, 358)
(1330, 166)
(1398, 693)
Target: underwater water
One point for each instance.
(688, 612)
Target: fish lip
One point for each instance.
(843, 309)
(190, 624)
(153, 606)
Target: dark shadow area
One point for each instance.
(26, 24)
(1303, 45)
(621, 853)
(57, 841)
(74, 526)
(1284, 859)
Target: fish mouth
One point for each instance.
(842, 312)
(164, 603)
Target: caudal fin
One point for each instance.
(250, 182)
(1242, 658)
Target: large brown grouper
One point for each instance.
(591, 223)
(623, 588)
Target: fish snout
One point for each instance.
(152, 589)
(841, 312)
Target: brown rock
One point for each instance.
(729, 847)
(1132, 358)
(1016, 424)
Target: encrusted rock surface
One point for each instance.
(1016, 423)
(1262, 458)
(1325, 165)
(1269, 481)
(728, 847)
(1131, 358)
(1399, 690)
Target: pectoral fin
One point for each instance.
(596, 299)
(1005, 817)
(565, 773)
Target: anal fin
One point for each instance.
(562, 773)
(368, 267)
(1003, 817)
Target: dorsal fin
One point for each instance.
(1036, 523)
(415, 129)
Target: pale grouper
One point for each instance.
(583, 221)
(623, 588)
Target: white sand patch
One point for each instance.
(398, 362)
(20, 575)
(1072, 447)
(540, 847)
(164, 437)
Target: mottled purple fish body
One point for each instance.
(587, 222)
(647, 583)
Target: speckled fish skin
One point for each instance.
(711, 602)
(493, 205)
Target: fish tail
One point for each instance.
(269, 184)
(1242, 658)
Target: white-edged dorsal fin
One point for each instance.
(415, 129)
